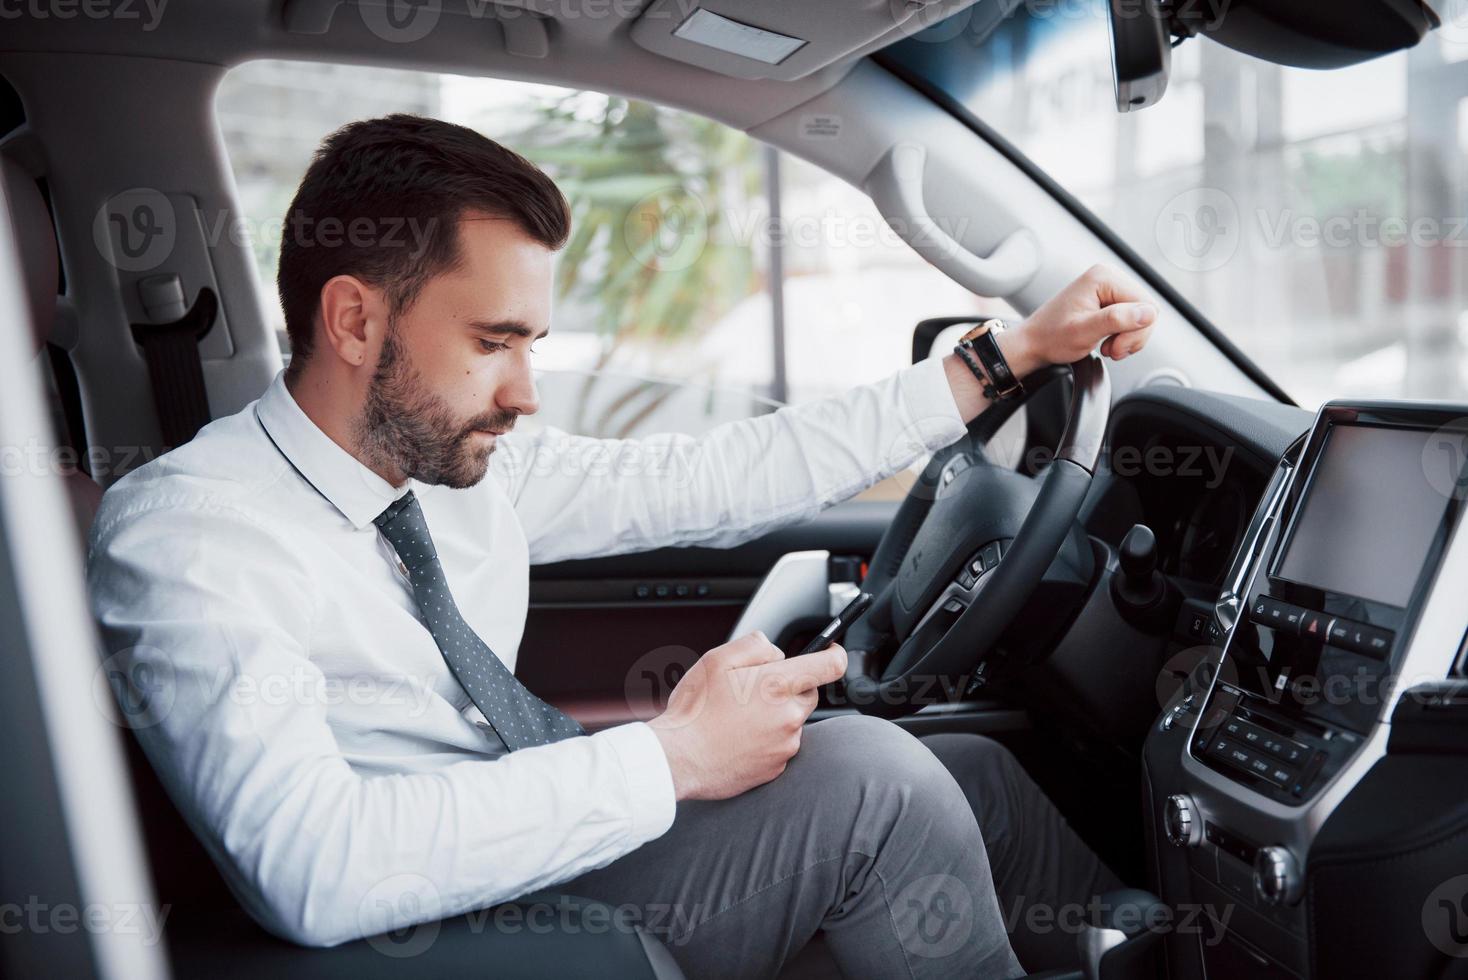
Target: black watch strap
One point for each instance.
(979, 349)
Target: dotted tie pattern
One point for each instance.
(518, 717)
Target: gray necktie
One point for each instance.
(519, 718)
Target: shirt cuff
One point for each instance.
(931, 407)
(649, 780)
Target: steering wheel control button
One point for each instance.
(1276, 876)
(953, 606)
(1180, 821)
(990, 555)
(970, 574)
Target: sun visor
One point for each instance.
(777, 38)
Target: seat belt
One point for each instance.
(171, 349)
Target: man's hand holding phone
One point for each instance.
(735, 719)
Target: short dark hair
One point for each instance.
(382, 201)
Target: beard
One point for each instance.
(405, 427)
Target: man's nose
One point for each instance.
(519, 394)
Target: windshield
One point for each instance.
(1316, 218)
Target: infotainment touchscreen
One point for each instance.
(1369, 515)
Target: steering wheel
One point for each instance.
(967, 548)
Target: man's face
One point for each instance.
(454, 367)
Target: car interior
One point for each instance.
(1225, 631)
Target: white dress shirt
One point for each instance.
(296, 706)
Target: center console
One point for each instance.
(1350, 588)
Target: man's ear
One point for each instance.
(353, 318)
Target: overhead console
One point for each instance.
(777, 39)
(1346, 592)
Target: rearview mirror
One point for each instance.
(1141, 52)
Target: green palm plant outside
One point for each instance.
(652, 250)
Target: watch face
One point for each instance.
(983, 328)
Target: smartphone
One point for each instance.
(837, 627)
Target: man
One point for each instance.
(322, 597)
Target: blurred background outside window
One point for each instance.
(708, 277)
(1319, 219)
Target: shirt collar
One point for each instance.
(340, 477)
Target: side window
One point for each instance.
(708, 276)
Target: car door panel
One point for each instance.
(606, 638)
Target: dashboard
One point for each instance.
(1276, 783)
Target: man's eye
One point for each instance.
(491, 346)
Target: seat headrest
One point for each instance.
(36, 238)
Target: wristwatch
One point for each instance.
(979, 349)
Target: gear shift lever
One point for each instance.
(1141, 593)
(1117, 938)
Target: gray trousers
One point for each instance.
(897, 856)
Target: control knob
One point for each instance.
(1276, 876)
(1180, 821)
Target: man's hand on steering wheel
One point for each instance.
(1102, 306)
(965, 553)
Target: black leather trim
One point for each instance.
(1261, 430)
(1373, 869)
